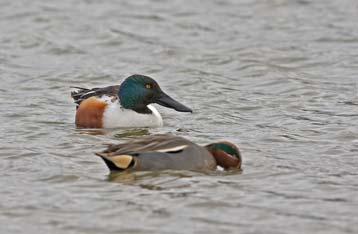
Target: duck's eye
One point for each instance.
(148, 86)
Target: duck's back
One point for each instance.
(191, 157)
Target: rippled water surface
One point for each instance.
(277, 77)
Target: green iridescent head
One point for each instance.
(137, 91)
(226, 154)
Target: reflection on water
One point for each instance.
(132, 133)
(278, 78)
(153, 179)
(93, 132)
(148, 178)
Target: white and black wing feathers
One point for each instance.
(83, 93)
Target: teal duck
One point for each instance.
(164, 152)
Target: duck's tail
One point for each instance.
(117, 162)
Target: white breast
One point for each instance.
(116, 116)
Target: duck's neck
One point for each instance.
(143, 110)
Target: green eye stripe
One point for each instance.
(226, 148)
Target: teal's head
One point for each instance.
(226, 154)
(137, 91)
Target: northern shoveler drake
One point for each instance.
(163, 152)
(124, 105)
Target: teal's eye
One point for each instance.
(148, 86)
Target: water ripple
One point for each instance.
(276, 77)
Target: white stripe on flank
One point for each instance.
(176, 148)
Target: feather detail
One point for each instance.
(89, 114)
(82, 94)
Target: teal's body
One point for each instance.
(164, 152)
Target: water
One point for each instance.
(279, 78)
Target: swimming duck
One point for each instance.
(163, 152)
(124, 105)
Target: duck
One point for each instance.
(169, 152)
(126, 105)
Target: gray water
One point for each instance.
(277, 77)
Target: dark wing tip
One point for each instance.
(83, 93)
